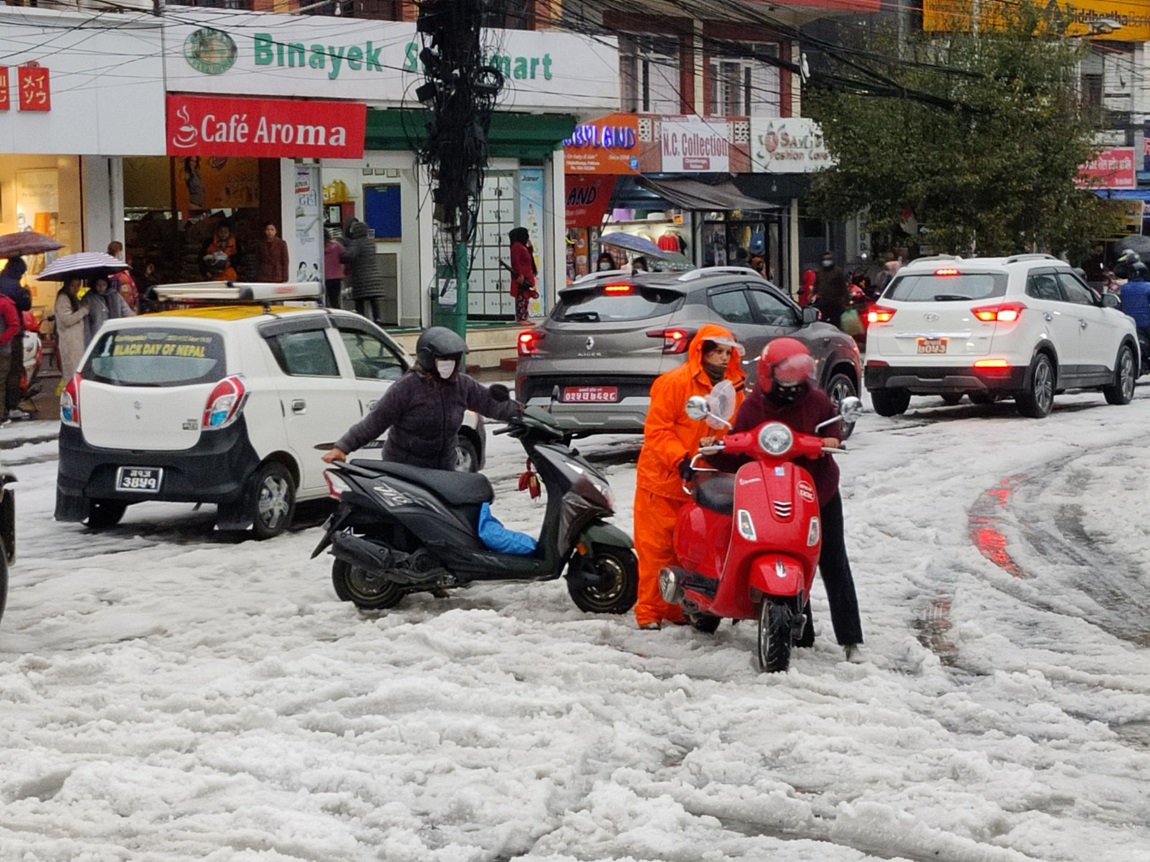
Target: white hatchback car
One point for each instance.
(232, 404)
(1024, 327)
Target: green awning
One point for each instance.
(532, 137)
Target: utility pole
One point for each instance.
(459, 90)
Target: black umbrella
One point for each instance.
(27, 242)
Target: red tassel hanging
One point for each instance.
(529, 481)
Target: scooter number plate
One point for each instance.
(932, 345)
(140, 480)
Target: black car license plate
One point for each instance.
(140, 480)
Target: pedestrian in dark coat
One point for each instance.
(832, 294)
(364, 275)
(272, 254)
(423, 410)
(11, 287)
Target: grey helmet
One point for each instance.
(438, 342)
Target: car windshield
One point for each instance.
(944, 287)
(156, 357)
(615, 302)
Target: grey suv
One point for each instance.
(611, 334)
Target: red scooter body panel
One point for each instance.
(774, 502)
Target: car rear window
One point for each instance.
(615, 302)
(940, 287)
(156, 357)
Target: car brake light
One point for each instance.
(879, 314)
(947, 271)
(70, 402)
(674, 340)
(992, 367)
(528, 342)
(1003, 312)
(616, 288)
(225, 403)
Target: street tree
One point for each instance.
(963, 142)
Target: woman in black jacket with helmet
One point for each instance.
(422, 412)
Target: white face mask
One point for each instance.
(604, 266)
(445, 368)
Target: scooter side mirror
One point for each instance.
(850, 408)
(697, 407)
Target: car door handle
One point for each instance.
(1083, 323)
(1048, 316)
(299, 406)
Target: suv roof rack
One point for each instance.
(238, 292)
(704, 271)
(1032, 255)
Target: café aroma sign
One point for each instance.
(264, 128)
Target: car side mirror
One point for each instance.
(810, 314)
(1111, 300)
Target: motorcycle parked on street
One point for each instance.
(749, 542)
(399, 530)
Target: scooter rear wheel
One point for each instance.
(364, 589)
(774, 644)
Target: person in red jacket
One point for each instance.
(523, 272)
(670, 440)
(10, 321)
(786, 392)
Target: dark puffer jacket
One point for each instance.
(422, 416)
(364, 275)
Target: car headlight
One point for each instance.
(775, 438)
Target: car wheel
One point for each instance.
(1125, 373)
(890, 402)
(466, 455)
(272, 500)
(105, 513)
(1038, 400)
(951, 398)
(840, 386)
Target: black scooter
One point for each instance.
(400, 530)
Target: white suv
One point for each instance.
(1024, 327)
(232, 404)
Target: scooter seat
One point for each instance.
(458, 489)
(717, 493)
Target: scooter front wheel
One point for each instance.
(365, 589)
(617, 573)
(774, 646)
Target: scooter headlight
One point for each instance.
(775, 438)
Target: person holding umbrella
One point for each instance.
(11, 286)
(71, 316)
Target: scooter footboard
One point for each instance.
(777, 575)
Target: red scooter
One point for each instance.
(749, 542)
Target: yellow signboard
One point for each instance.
(1114, 21)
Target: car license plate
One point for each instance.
(932, 345)
(590, 394)
(142, 480)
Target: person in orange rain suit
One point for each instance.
(670, 440)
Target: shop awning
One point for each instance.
(690, 194)
(1124, 194)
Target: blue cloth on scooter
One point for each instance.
(497, 537)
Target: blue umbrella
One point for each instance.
(631, 243)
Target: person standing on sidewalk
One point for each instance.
(9, 328)
(11, 287)
(272, 254)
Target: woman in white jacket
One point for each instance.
(70, 315)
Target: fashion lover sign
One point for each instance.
(265, 128)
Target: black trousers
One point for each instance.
(333, 287)
(13, 392)
(835, 569)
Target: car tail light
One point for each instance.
(996, 367)
(528, 342)
(674, 340)
(70, 402)
(879, 314)
(947, 271)
(225, 403)
(617, 288)
(1003, 312)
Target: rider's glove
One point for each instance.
(686, 472)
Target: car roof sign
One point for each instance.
(225, 292)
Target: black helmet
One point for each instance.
(438, 342)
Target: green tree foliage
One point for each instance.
(980, 134)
